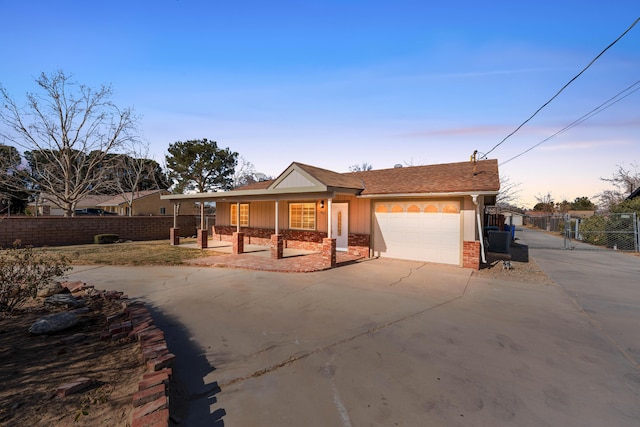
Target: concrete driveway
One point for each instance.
(381, 343)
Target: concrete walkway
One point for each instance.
(381, 343)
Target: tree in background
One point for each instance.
(361, 167)
(14, 191)
(245, 174)
(624, 182)
(582, 204)
(509, 192)
(68, 131)
(545, 203)
(201, 166)
(134, 172)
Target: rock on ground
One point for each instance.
(54, 323)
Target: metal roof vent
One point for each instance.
(397, 165)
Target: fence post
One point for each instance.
(636, 223)
(567, 231)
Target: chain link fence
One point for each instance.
(617, 231)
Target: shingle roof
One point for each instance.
(260, 185)
(332, 179)
(442, 178)
(124, 198)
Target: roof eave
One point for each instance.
(428, 194)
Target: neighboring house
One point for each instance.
(634, 194)
(513, 218)
(146, 202)
(48, 204)
(425, 213)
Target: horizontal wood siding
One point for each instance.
(359, 213)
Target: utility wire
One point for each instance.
(563, 88)
(600, 108)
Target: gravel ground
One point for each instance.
(522, 267)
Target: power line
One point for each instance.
(600, 108)
(563, 88)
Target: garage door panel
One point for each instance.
(419, 236)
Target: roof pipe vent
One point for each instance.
(397, 165)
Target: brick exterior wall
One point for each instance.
(471, 255)
(293, 239)
(61, 231)
(359, 244)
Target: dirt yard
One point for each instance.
(34, 366)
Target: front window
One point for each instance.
(302, 216)
(244, 214)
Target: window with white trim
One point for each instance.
(302, 216)
(244, 214)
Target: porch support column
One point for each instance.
(329, 215)
(277, 242)
(238, 243)
(276, 226)
(202, 232)
(328, 253)
(238, 217)
(277, 246)
(174, 232)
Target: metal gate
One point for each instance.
(612, 231)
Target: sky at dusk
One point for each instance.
(337, 83)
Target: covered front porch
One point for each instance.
(304, 208)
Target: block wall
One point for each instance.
(61, 231)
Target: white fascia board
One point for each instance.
(427, 195)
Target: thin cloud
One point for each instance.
(460, 131)
(584, 145)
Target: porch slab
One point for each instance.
(257, 257)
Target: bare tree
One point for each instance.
(545, 203)
(68, 132)
(134, 172)
(509, 193)
(361, 167)
(624, 182)
(244, 173)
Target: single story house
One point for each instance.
(512, 217)
(145, 202)
(426, 213)
(48, 204)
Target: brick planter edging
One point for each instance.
(151, 401)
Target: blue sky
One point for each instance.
(337, 83)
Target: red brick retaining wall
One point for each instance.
(61, 231)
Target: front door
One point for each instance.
(340, 225)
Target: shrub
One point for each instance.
(592, 230)
(22, 270)
(100, 239)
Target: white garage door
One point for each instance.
(420, 231)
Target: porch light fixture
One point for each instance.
(321, 204)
